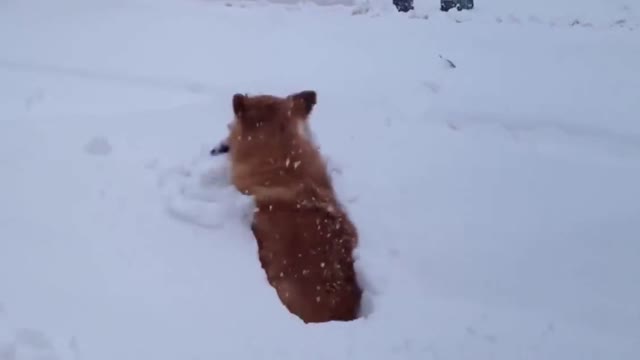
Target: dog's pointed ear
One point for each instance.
(239, 104)
(304, 101)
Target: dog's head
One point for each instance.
(271, 118)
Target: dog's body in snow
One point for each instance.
(305, 238)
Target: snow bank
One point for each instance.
(494, 199)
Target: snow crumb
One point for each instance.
(98, 146)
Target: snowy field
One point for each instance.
(498, 201)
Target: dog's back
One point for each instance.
(305, 243)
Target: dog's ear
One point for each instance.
(239, 102)
(304, 101)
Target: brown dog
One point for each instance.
(305, 238)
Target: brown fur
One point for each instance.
(305, 238)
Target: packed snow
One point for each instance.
(489, 159)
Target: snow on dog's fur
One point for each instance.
(223, 146)
(305, 238)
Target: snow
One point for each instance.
(496, 201)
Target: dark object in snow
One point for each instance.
(222, 148)
(446, 5)
(403, 5)
(465, 5)
(449, 62)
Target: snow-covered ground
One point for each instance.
(497, 200)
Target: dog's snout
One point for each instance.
(220, 149)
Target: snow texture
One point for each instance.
(489, 159)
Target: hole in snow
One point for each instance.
(366, 304)
(368, 289)
(98, 146)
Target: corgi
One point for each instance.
(305, 237)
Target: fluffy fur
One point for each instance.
(305, 238)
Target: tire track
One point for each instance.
(152, 82)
